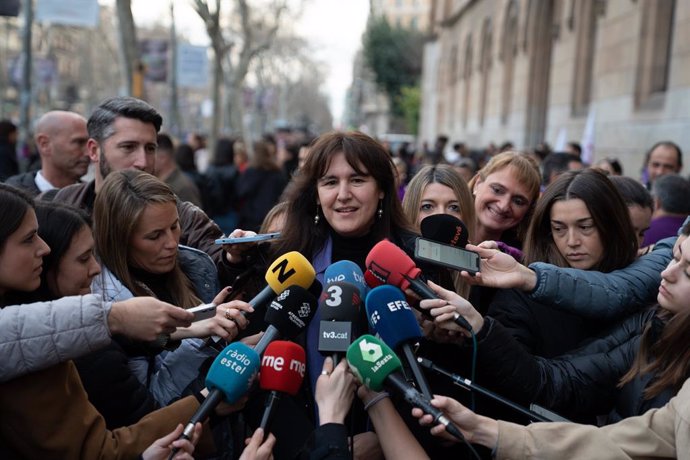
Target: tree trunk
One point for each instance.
(129, 47)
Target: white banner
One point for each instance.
(192, 66)
(80, 13)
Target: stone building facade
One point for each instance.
(526, 70)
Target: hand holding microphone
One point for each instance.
(447, 307)
(387, 263)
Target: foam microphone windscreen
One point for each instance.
(291, 311)
(346, 270)
(340, 301)
(391, 316)
(372, 361)
(445, 229)
(389, 264)
(291, 268)
(282, 367)
(233, 371)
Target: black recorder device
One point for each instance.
(446, 255)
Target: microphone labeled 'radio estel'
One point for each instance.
(377, 367)
(339, 310)
(287, 315)
(282, 371)
(228, 379)
(391, 317)
(445, 229)
(388, 264)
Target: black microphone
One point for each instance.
(445, 229)
(339, 310)
(469, 385)
(287, 316)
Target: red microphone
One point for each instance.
(282, 370)
(387, 263)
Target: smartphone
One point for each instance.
(446, 255)
(248, 239)
(204, 311)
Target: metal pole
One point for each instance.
(175, 127)
(25, 91)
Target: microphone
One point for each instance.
(228, 379)
(375, 364)
(445, 229)
(391, 317)
(339, 310)
(469, 385)
(287, 315)
(291, 268)
(388, 264)
(348, 271)
(282, 371)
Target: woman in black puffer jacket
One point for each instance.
(639, 364)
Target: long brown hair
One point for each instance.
(668, 358)
(362, 153)
(117, 209)
(609, 213)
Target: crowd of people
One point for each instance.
(578, 310)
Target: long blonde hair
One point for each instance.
(445, 175)
(119, 204)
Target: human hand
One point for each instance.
(335, 390)
(145, 318)
(447, 308)
(475, 428)
(366, 446)
(162, 448)
(252, 340)
(498, 269)
(258, 449)
(234, 252)
(223, 408)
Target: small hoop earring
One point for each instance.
(316, 216)
(379, 213)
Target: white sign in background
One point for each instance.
(192, 66)
(80, 13)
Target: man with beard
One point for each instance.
(61, 142)
(123, 134)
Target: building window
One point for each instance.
(654, 58)
(586, 30)
(467, 75)
(484, 67)
(508, 53)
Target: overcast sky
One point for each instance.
(334, 28)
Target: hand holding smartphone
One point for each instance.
(447, 256)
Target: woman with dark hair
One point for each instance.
(71, 265)
(259, 187)
(341, 203)
(638, 364)
(640, 204)
(579, 222)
